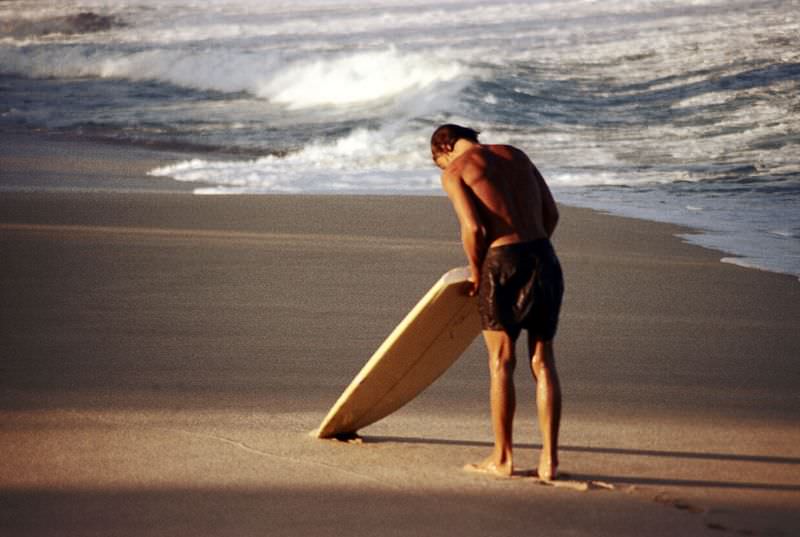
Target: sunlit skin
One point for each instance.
(501, 198)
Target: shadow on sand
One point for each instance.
(629, 480)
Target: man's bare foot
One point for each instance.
(548, 469)
(491, 467)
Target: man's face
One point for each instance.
(443, 158)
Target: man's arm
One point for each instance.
(473, 233)
(549, 208)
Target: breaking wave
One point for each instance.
(338, 80)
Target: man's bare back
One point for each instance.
(511, 196)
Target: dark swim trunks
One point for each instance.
(521, 287)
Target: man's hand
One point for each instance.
(474, 281)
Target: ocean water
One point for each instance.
(685, 111)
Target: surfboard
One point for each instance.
(423, 346)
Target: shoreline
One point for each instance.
(110, 165)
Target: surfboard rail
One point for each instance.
(425, 343)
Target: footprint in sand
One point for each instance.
(563, 481)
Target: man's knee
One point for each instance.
(502, 362)
(543, 358)
(501, 353)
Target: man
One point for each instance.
(507, 215)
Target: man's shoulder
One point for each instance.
(508, 151)
(474, 165)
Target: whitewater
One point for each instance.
(683, 111)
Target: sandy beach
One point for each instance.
(165, 355)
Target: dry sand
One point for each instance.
(164, 357)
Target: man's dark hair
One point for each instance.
(447, 135)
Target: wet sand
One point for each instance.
(164, 357)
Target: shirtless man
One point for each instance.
(507, 215)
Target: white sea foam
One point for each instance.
(361, 77)
(738, 261)
(705, 99)
(363, 162)
(782, 233)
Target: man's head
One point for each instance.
(445, 137)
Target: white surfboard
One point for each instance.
(422, 347)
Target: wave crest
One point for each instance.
(356, 78)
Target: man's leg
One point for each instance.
(503, 402)
(548, 403)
